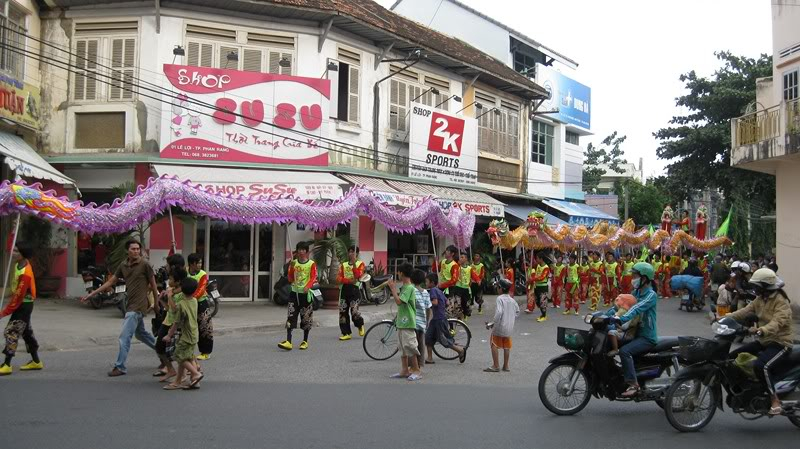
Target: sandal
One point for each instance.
(173, 387)
(491, 370)
(632, 391)
(166, 378)
(195, 382)
(463, 356)
(506, 370)
(159, 373)
(775, 411)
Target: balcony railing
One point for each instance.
(758, 126)
(793, 117)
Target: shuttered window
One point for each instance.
(223, 48)
(411, 86)
(498, 129)
(105, 61)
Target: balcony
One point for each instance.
(760, 140)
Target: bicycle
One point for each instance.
(383, 342)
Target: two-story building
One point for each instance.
(307, 98)
(768, 139)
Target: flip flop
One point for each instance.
(491, 370)
(775, 411)
(173, 387)
(463, 357)
(398, 376)
(166, 378)
(159, 373)
(195, 382)
(430, 362)
(414, 377)
(505, 370)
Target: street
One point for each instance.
(333, 396)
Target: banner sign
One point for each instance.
(408, 201)
(571, 98)
(232, 115)
(442, 146)
(303, 191)
(19, 102)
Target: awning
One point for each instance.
(247, 182)
(521, 211)
(471, 201)
(26, 162)
(581, 214)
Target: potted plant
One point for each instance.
(38, 233)
(327, 253)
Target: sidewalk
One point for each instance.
(67, 324)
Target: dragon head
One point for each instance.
(497, 229)
(535, 223)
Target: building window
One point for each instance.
(12, 35)
(542, 144)
(105, 61)
(498, 130)
(526, 63)
(220, 48)
(87, 125)
(408, 86)
(790, 86)
(349, 82)
(573, 138)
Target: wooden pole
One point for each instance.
(10, 261)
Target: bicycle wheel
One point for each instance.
(461, 335)
(380, 342)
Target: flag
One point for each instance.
(723, 229)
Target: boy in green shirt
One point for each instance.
(185, 309)
(406, 323)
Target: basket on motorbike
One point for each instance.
(696, 349)
(572, 339)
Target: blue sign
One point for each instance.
(571, 98)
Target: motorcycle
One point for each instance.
(93, 278)
(374, 289)
(282, 288)
(212, 289)
(571, 379)
(696, 392)
(121, 296)
(691, 301)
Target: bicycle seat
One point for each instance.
(378, 280)
(665, 344)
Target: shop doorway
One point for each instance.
(239, 257)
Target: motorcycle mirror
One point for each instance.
(588, 318)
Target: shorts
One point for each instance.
(184, 352)
(407, 342)
(501, 342)
(420, 346)
(439, 332)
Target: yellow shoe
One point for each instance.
(342, 338)
(541, 319)
(203, 357)
(304, 345)
(480, 311)
(5, 370)
(361, 331)
(574, 312)
(30, 366)
(286, 344)
(566, 312)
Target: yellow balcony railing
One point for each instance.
(758, 126)
(793, 117)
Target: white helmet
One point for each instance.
(765, 278)
(745, 267)
(735, 265)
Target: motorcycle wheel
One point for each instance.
(686, 411)
(553, 384)
(122, 304)
(96, 301)
(213, 307)
(383, 297)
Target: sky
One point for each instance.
(631, 53)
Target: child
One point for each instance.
(186, 318)
(302, 275)
(423, 308)
(406, 300)
(725, 296)
(20, 307)
(538, 287)
(438, 331)
(509, 274)
(559, 278)
(479, 274)
(623, 303)
(176, 276)
(505, 313)
(572, 284)
(206, 343)
(585, 276)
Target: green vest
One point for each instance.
(197, 278)
(611, 273)
(572, 274)
(446, 271)
(348, 271)
(464, 277)
(539, 270)
(302, 273)
(627, 268)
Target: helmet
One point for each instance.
(735, 265)
(645, 269)
(745, 267)
(765, 278)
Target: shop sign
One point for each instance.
(570, 98)
(276, 190)
(489, 210)
(19, 102)
(398, 199)
(232, 115)
(442, 146)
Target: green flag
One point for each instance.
(723, 229)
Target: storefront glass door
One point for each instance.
(229, 257)
(263, 246)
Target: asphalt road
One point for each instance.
(333, 396)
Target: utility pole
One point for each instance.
(626, 195)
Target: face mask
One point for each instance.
(636, 283)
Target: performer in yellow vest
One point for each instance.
(205, 342)
(612, 275)
(559, 278)
(479, 271)
(20, 307)
(302, 275)
(595, 289)
(350, 271)
(462, 288)
(538, 278)
(627, 274)
(572, 285)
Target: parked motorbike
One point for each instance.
(691, 301)
(374, 289)
(93, 278)
(212, 289)
(696, 392)
(121, 296)
(282, 288)
(567, 385)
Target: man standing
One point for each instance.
(350, 271)
(302, 274)
(139, 277)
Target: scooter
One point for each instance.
(374, 289)
(93, 278)
(282, 288)
(691, 301)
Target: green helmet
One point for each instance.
(645, 269)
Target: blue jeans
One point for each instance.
(133, 324)
(637, 346)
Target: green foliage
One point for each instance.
(698, 143)
(328, 253)
(645, 201)
(608, 153)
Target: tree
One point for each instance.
(609, 154)
(645, 201)
(698, 143)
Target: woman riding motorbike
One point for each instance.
(646, 334)
(775, 333)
